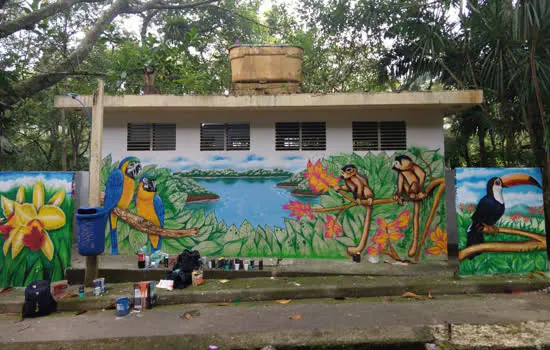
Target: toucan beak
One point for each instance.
(519, 179)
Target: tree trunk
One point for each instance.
(481, 132)
(466, 154)
(536, 136)
(63, 142)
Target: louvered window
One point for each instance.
(238, 137)
(164, 137)
(151, 137)
(379, 136)
(300, 136)
(225, 137)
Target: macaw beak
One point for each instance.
(519, 179)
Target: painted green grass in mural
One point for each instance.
(502, 263)
(29, 265)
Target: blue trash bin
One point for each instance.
(90, 225)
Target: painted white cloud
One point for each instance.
(465, 195)
(532, 199)
(466, 173)
(30, 180)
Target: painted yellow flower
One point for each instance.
(27, 222)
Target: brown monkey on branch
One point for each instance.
(358, 185)
(410, 181)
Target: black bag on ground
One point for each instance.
(181, 273)
(189, 261)
(38, 299)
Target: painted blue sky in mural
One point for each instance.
(471, 185)
(61, 180)
(239, 161)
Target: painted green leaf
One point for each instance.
(281, 235)
(232, 248)
(208, 248)
(137, 240)
(246, 229)
(232, 234)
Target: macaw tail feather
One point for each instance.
(113, 232)
(156, 243)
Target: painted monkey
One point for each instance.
(358, 185)
(355, 183)
(410, 180)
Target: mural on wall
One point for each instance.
(380, 205)
(35, 226)
(500, 221)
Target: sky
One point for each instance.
(57, 180)
(471, 185)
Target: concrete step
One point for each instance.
(261, 289)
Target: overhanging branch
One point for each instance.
(29, 20)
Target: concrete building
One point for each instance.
(247, 168)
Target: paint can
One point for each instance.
(147, 260)
(261, 265)
(356, 258)
(122, 306)
(251, 265)
(210, 262)
(237, 266)
(198, 278)
(81, 291)
(246, 264)
(145, 295)
(99, 286)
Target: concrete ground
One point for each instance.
(394, 321)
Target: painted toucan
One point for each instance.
(119, 192)
(491, 207)
(150, 207)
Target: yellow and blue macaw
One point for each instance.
(150, 207)
(119, 192)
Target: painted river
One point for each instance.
(257, 200)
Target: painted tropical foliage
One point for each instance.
(324, 227)
(36, 227)
(518, 244)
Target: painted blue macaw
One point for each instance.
(150, 207)
(119, 192)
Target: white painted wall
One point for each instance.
(424, 129)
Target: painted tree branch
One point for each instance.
(513, 231)
(428, 223)
(148, 227)
(378, 201)
(502, 247)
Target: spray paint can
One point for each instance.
(81, 291)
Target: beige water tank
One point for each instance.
(266, 69)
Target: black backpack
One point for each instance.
(181, 273)
(38, 299)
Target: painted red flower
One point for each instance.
(33, 236)
(7, 228)
(470, 208)
(391, 231)
(532, 210)
(299, 209)
(526, 219)
(515, 217)
(320, 181)
(461, 206)
(332, 227)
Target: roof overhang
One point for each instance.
(447, 101)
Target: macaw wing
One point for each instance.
(113, 189)
(159, 209)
